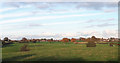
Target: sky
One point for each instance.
(58, 20)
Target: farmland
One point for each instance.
(59, 51)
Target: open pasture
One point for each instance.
(59, 51)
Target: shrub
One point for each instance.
(20, 41)
(3, 43)
(91, 44)
(6, 42)
(24, 48)
(34, 41)
(111, 44)
(6, 39)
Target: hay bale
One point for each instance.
(24, 48)
(91, 44)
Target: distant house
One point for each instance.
(43, 40)
(83, 39)
(113, 39)
(73, 40)
(65, 40)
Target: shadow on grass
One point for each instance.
(17, 57)
(113, 61)
(8, 45)
(52, 58)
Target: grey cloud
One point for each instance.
(110, 19)
(29, 25)
(101, 25)
(13, 4)
(100, 20)
(96, 5)
(49, 11)
(108, 11)
(23, 26)
(35, 4)
(42, 5)
(105, 24)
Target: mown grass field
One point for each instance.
(58, 51)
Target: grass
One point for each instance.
(58, 51)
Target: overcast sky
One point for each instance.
(58, 20)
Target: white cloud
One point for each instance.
(68, 34)
(110, 33)
(21, 14)
(45, 17)
(48, 34)
(6, 9)
(29, 25)
(86, 34)
(15, 15)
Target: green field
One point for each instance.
(58, 51)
